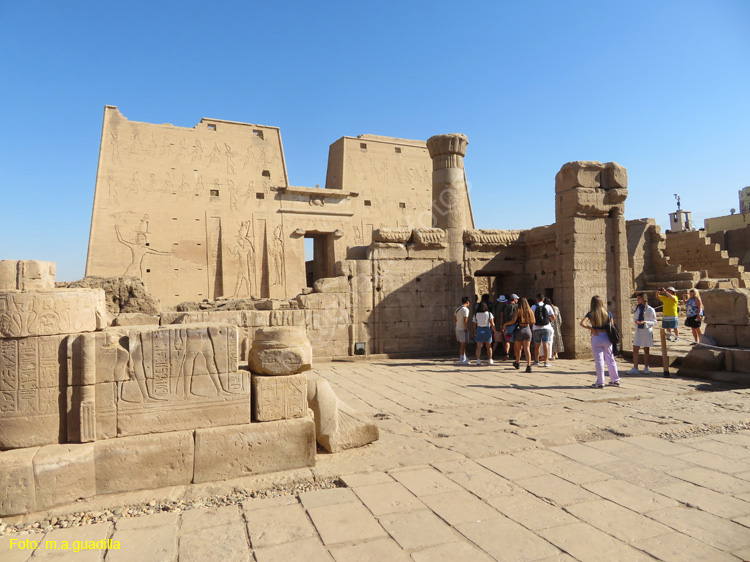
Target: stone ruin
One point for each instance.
(87, 408)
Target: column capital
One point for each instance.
(447, 151)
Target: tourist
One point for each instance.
(599, 318)
(644, 318)
(542, 331)
(485, 324)
(694, 311)
(509, 313)
(498, 337)
(461, 322)
(557, 343)
(668, 298)
(523, 319)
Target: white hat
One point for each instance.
(672, 289)
(502, 299)
(513, 296)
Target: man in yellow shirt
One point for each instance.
(669, 299)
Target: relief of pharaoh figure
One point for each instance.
(138, 251)
(244, 250)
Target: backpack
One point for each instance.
(541, 316)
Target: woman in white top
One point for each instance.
(485, 324)
(644, 319)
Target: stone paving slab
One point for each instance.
(478, 464)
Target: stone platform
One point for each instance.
(475, 463)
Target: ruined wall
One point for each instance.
(736, 242)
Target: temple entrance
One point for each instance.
(319, 256)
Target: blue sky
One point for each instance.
(662, 87)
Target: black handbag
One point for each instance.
(613, 333)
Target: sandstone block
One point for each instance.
(45, 313)
(399, 235)
(279, 398)
(63, 474)
(432, 238)
(704, 359)
(743, 336)
(31, 380)
(724, 335)
(144, 461)
(136, 319)
(27, 275)
(386, 251)
(332, 285)
(280, 350)
(727, 306)
(337, 425)
(17, 481)
(242, 450)
(738, 360)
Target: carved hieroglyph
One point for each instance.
(27, 275)
(280, 350)
(44, 313)
(279, 398)
(30, 386)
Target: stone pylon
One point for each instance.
(448, 194)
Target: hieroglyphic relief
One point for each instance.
(279, 397)
(138, 251)
(244, 251)
(62, 311)
(277, 256)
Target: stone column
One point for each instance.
(448, 195)
(592, 248)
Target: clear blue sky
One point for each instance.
(662, 87)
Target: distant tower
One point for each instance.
(680, 220)
(745, 199)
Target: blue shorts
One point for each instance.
(484, 335)
(669, 322)
(542, 336)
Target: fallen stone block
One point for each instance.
(704, 359)
(337, 425)
(280, 350)
(331, 285)
(243, 450)
(727, 306)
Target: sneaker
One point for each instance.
(646, 371)
(535, 362)
(676, 339)
(613, 383)
(597, 385)
(463, 362)
(634, 371)
(491, 362)
(479, 362)
(528, 368)
(547, 364)
(516, 364)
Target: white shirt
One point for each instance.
(550, 312)
(461, 313)
(482, 319)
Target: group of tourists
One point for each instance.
(512, 323)
(515, 324)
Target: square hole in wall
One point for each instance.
(368, 203)
(148, 271)
(266, 174)
(214, 193)
(258, 133)
(363, 145)
(211, 126)
(148, 243)
(402, 205)
(260, 195)
(398, 150)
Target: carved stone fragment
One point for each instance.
(280, 350)
(27, 275)
(279, 398)
(398, 235)
(337, 425)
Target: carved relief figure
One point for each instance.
(230, 158)
(233, 203)
(249, 158)
(138, 251)
(112, 189)
(144, 226)
(197, 152)
(136, 147)
(198, 348)
(213, 158)
(244, 250)
(277, 254)
(114, 143)
(135, 185)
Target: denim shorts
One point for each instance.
(483, 335)
(669, 322)
(542, 336)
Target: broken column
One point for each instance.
(448, 194)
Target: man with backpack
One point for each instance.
(509, 312)
(461, 323)
(544, 314)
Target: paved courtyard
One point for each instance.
(476, 463)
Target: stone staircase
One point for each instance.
(694, 251)
(661, 272)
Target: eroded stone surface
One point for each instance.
(280, 350)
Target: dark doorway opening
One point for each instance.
(319, 256)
